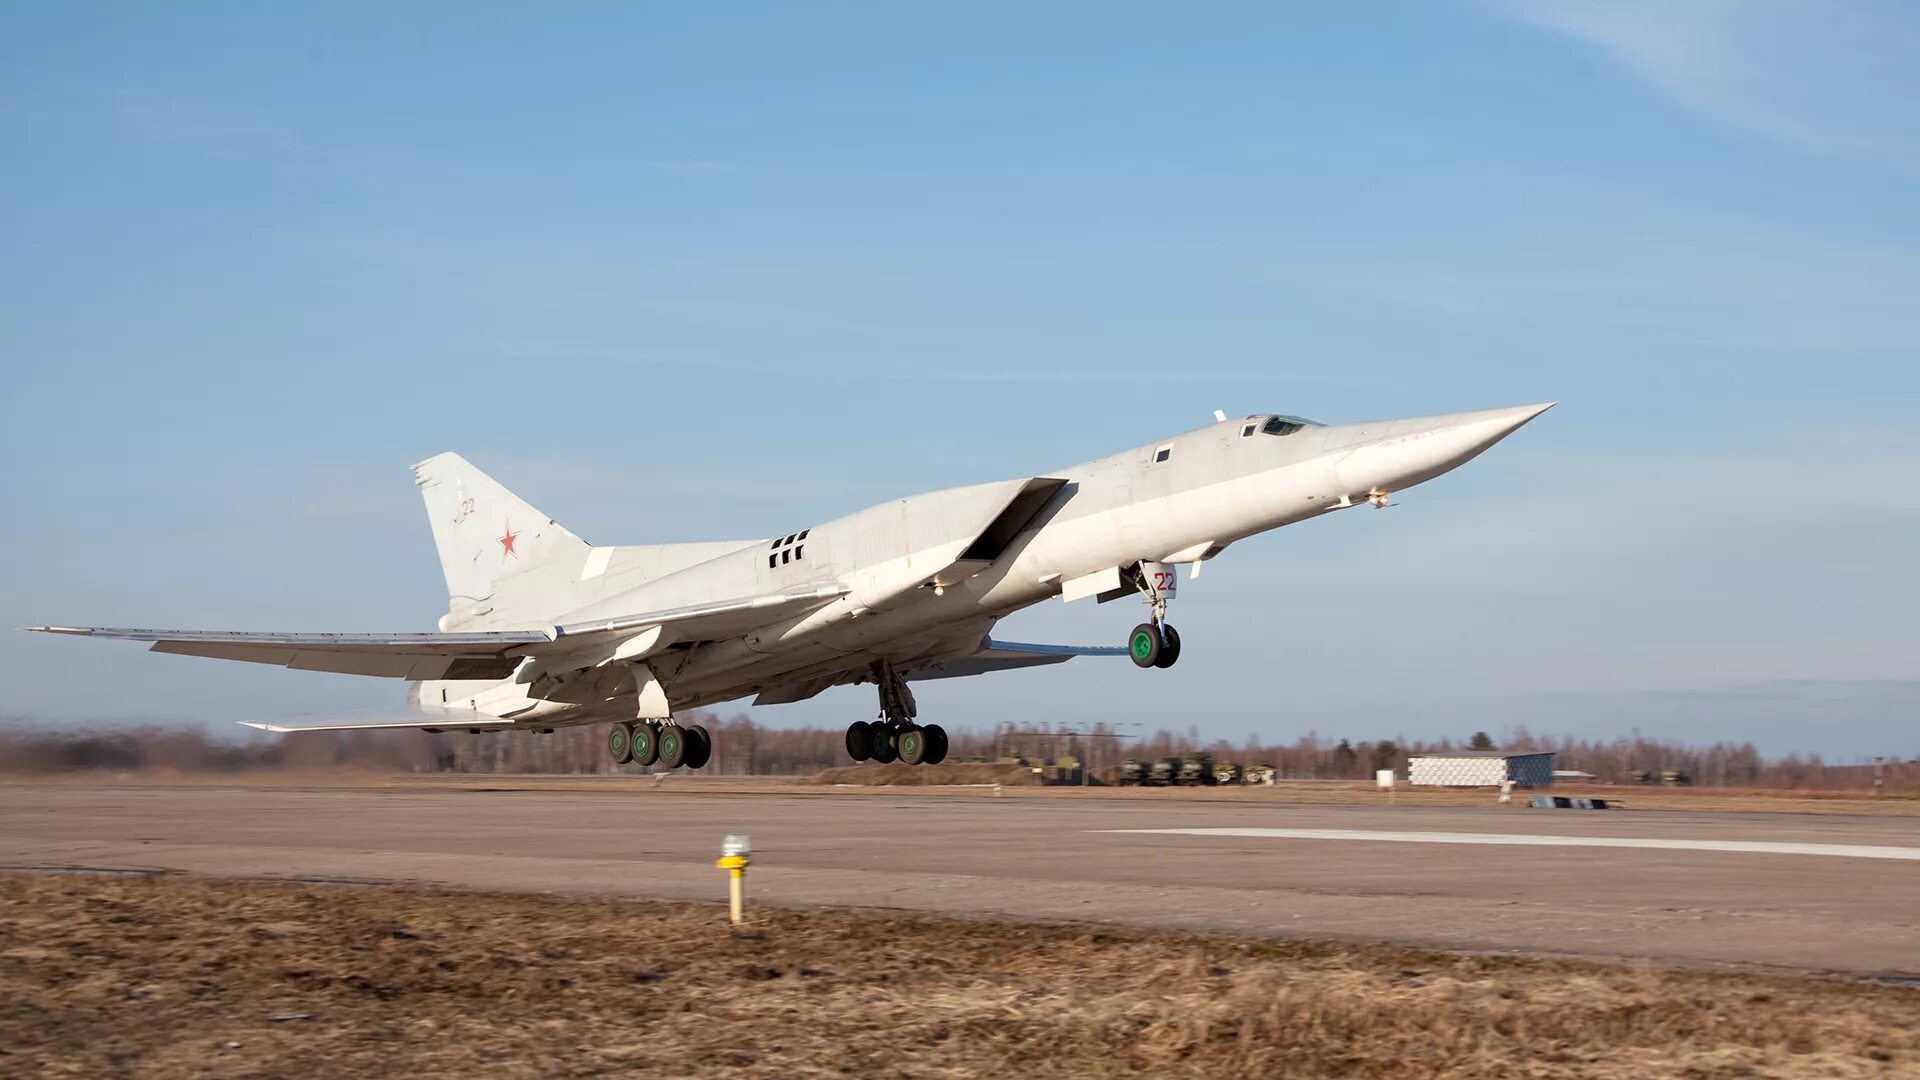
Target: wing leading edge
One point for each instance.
(1009, 655)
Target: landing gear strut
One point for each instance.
(895, 736)
(1155, 644)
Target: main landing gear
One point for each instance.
(1154, 644)
(648, 742)
(895, 737)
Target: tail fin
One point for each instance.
(487, 536)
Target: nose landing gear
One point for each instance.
(1154, 644)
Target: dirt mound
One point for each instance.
(898, 775)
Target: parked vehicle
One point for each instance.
(1196, 770)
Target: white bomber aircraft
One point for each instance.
(545, 630)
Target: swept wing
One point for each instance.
(1007, 655)
(489, 654)
(992, 656)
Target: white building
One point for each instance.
(1480, 768)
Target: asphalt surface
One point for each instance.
(1824, 892)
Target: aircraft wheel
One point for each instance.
(673, 745)
(912, 742)
(1144, 644)
(699, 746)
(881, 746)
(858, 740)
(936, 744)
(1169, 647)
(646, 742)
(620, 744)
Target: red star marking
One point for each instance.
(506, 542)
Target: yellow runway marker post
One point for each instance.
(733, 859)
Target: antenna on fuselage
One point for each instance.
(1219, 416)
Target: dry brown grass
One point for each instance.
(175, 976)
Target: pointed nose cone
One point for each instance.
(1520, 414)
(1410, 452)
(1493, 424)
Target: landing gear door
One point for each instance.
(1158, 580)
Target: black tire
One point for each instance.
(881, 744)
(936, 744)
(646, 742)
(1144, 645)
(857, 747)
(620, 744)
(912, 743)
(673, 746)
(699, 746)
(1169, 647)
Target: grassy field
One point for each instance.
(169, 976)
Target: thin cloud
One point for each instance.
(1829, 78)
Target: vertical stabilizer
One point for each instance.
(487, 537)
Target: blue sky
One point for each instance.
(707, 271)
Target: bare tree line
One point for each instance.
(745, 748)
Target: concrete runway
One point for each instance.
(1773, 889)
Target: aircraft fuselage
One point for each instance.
(909, 592)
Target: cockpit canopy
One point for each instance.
(1275, 425)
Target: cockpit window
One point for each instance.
(1282, 425)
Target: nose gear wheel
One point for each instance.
(1143, 645)
(1169, 647)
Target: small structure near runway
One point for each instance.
(1481, 768)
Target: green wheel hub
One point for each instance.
(910, 741)
(643, 749)
(670, 738)
(1142, 645)
(620, 744)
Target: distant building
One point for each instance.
(1480, 768)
